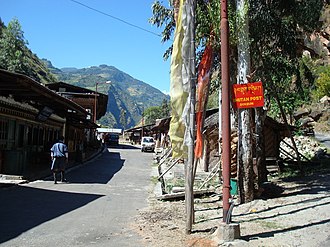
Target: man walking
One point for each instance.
(59, 155)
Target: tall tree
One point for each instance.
(207, 19)
(151, 114)
(123, 120)
(165, 109)
(278, 29)
(13, 48)
(2, 27)
(245, 158)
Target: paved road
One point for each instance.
(324, 139)
(94, 209)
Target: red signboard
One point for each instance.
(248, 95)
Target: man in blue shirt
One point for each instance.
(59, 155)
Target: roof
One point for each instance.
(164, 123)
(139, 128)
(24, 89)
(82, 96)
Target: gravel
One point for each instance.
(291, 212)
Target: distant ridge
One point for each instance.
(127, 95)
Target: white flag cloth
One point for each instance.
(180, 87)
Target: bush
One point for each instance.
(322, 83)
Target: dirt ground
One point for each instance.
(291, 212)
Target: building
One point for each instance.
(32, 117)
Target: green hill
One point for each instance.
(126, 94)
(128, 97)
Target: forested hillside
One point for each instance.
(128, 97)
(289, 53)
(17, 57)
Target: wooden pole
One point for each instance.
(189, 193)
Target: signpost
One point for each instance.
(248, 95)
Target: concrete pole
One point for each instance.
(225, 109)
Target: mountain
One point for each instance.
(128, 96)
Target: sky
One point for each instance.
(71, 35)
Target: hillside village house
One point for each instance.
(33, 116)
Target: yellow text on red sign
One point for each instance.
(248, 95)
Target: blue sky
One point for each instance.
(71, 35)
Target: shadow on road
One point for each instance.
(100, 171)
(23, 208)
(123, 146)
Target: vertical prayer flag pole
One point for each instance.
(182, 91)
(189, 193)
(225, 109)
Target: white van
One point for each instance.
(147, 144)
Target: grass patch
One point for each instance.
(269, 224)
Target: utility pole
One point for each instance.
(225, 109)
(142, 122)
(95, 99)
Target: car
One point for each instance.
(147, 144)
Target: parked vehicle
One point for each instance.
(147, 144)
(112, 139)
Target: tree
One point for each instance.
(13, 48)
(2, 27)
(323, 83)
(245, 143)
(152, 114)
(123, 120)
(165, 109)
(164, 17)
(276, 46)
(207, 20)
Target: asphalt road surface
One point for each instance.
(95, 208)
(323, 138)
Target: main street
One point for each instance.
(95, 208)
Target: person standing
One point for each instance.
(59, 155)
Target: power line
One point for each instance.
(116, 18)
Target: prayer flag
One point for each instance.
(204, 69)
(180, 81)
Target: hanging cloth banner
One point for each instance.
(248, 95)
(180, 82)
(204, 70)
